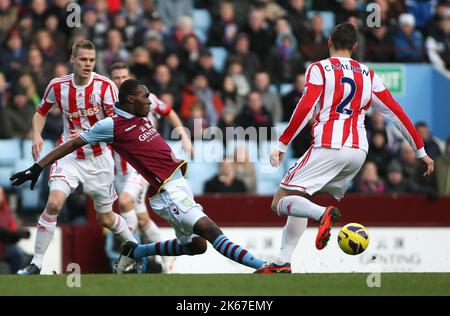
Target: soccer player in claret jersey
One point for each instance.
(129, 184)
(338, 91)
(83, 98)
(132, 135)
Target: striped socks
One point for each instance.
(236, 253)
(162, 248)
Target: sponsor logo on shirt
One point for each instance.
(83, 112)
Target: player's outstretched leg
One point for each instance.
(206, 228)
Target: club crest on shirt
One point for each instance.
(94, 98)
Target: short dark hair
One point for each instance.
(117, 66)
(86, 44)
(128, 87)
(343, 36)
(421, 124)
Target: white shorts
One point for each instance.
(137, 186)
(96, 174)
(324, 170)
(119, 182)
(175, 203)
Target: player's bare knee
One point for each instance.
(126, 202)
(106, 219)
(54, 206)
(197, 246)
(206, 228)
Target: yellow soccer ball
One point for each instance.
(353, 238)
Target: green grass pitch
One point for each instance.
(229, 284)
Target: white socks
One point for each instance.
(45, 230)
(294, 205)
(120, 229)
(151, 232)
(131, 219)
(292, 231)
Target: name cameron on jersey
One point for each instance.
(346, 67)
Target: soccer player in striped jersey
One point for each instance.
(133, 136)
(84, 98)
(338, 92)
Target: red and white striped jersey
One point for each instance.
(338, 92)
(81, 106)
(157, 109)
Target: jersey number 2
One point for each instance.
(341, 107)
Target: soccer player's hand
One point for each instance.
(74, 133)
(36, 148)
(276, 158)
(429, 163)
(31, 174)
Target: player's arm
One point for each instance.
(39, 119)
(176, 123)
(302, 113)
(384, 103)
(102, 131)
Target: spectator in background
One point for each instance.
(395, 183)
(254, 114)
(26, 81)
(141, 65)
(227, 119)
(431, 145)
(259, 34)
(94, 28)
(162, 82)
(235, 71)
(114, 52)
(291, 99)
(39, 11)
(313, 42)
(127, 30)
(296, 16)
(172, 10)
(408, 41)
(184, 28)
(379, 45)
(422, 10)
(40, 71)
(378, 152)
(393, 136)
(413, 172)
(201, 95)
(60, 70)
(438, 44)
(284, 60)
(9, 236)
(177, 74)
(369, 181)
(224, 28)
(358, 54)
(19, 114)
(230, 96)
(271, 101)
(153, 23)
(205, 66)
(349, 8)
(244, 169)
(51, 52)
(8, 17)
(25, 27)
(190, 54)
(250, 61)
(13, 55)
(154, 45)
(225, 181)
(443, 171)
(58, 37)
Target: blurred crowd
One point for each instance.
(226, 62)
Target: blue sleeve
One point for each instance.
(102, 131)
